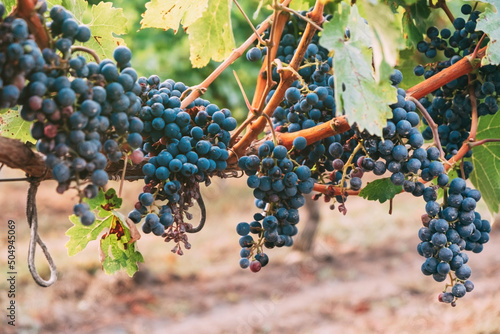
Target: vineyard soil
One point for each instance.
(364, 277)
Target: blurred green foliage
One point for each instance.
(167, 55)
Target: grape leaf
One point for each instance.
(364, 100)
(488, 22)
(380, 190)
(76, 7)
(169, 14)
(387, 31)
(486, 160)
(80, 235)
(9, 4)
(211, 36)
(104, 21)
(118, 250)
(13, 126)
(302, 4)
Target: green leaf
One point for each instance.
(170, 13)
(80, 235)
(488, 22)
(211, 36)
(76, 7)
(412, 33)
(105, 23)
(117, 250)
(486, 160)
(9, 5)
(300, 5)
(380, 190)
(364, 100)
(387, 29)
(13, 126)
(104, 204)
(52, 3)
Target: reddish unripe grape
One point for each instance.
(338, 164)
(50, 131)
(55, 116)
(137, 156)
(40, 116)
(255, 266)
(357, 173)
(425, 220)
(19, 81)
(163, 140)
(35, 102)
(67, 111)
(360, 161)
(138, 205)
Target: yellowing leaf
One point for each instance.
(170, 13)
(13, 126)
(211, 36)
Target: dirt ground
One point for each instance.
(362, 277)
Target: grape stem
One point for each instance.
(123, 175)
(203, 217)
(287, 78)
(442, 4)
(431, 124)
(225, 64)
(290, 10)
(473, 102)
(484, 141)
(87, 50)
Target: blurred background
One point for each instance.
(361, 273)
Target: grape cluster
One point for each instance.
(83, 112)
(19, 57)
(448, 231)
(185, 147)
(278, 186)
(451, 105)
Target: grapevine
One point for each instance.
(94, 119)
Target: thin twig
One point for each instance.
(238, 52)
(473, 55)
(123, 175)
(270, 122)
(249, 106)
(473, 102)
(87, 50)
(483, 141)
(431, 124)
(16, 179)
(442, 4)
(305, 18)
(249, 22)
